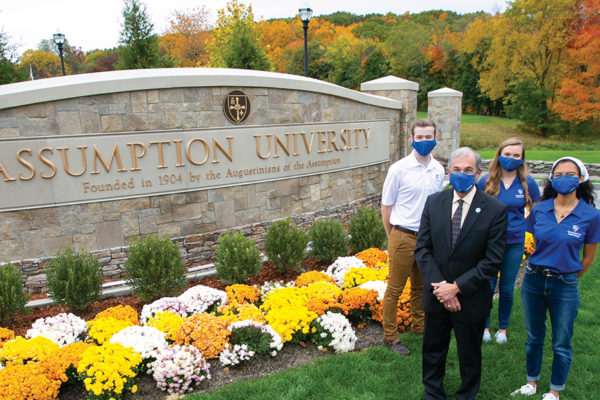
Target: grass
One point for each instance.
(484, 134)
(377, 373)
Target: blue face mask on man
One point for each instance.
(565, 184)
(509, 163)
(462, 182)
(424, 147)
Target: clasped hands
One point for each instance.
(446, 294)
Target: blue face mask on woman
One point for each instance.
(565, 184)
(424, 147)
(509, 163)
(462, 182)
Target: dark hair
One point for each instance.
(584, 191)
(423, 123)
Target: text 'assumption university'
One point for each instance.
(86, 156)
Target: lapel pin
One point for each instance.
(478, 210)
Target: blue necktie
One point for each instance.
(456, 221)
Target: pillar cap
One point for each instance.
(445, 92)
(389, 82)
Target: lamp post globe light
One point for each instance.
(59, 39)
(305, 14)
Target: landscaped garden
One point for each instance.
(179, 338)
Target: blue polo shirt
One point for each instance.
(514, 198)
(557, 246)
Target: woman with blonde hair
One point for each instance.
(508, 181)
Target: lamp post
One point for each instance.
(59, 39)
(305, 14)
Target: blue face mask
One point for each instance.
(509, 163)
(424, 147)
(462, 182)
(565, 184)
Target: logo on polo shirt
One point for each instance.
(574, 232)
(519, 194)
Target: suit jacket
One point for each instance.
(475, 258)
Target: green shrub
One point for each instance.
(74, 278)
(237, 258)
(285, 244)
(328, 240)
(12, 298)
(154, 268)
(366, 230)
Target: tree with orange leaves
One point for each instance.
(578, 97)
(187, 37)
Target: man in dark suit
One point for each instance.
(459, 249)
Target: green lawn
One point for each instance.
(484, 134)
(377, 373)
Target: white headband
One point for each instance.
(582, 169)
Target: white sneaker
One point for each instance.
(549, 396)
(528, 390)
(487, 336)
(500, 337)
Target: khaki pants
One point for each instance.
(401, 250)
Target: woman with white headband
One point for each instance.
(562, 223)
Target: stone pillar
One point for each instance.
(406, 92)
(445, 109)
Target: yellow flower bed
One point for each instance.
(6, 335)
(101, 330)
(19, 382)
(373, 256)
(56, 364)
(281, 298)
(22, 351)
(292, 322)
(108, 370)
(529, 244)
(241, 312)
(239, 294)
(358, 276)
(311, 277)
(206, 332)
(167, 322)
(123, 313)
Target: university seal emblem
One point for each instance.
(236, 106)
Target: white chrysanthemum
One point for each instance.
(268, 287)
(62, 329)
(275, 344)
(341, 265)
(379, 286)
(172, 304)
(177, 369)
(146, 340)
(343, 336)
(200, 298)
(235, 355)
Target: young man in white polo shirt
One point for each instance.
(408, 183)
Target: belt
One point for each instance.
(401, 229)
(543, 271)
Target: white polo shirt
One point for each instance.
(407, 185)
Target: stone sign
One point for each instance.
(42, 172)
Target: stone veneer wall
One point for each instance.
(29, 238)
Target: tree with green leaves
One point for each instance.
(140, 47)
(9, 72)
(237, 42)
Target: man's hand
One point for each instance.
(453, 305)
(445, 291)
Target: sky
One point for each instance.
(95, 24)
